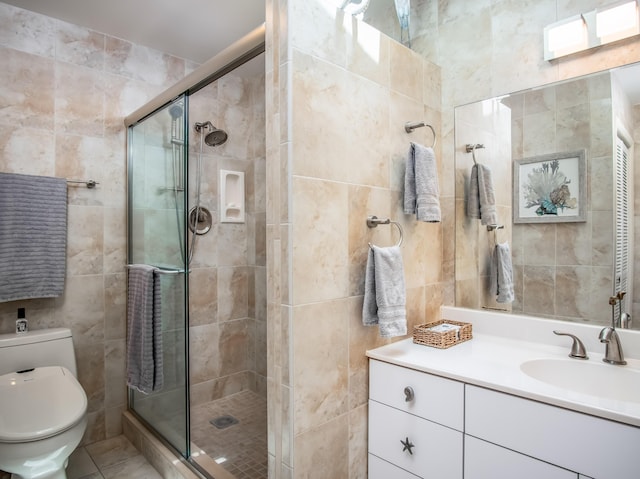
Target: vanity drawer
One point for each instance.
(436, 451)
(433, 398)
(483, 460)
(591, 446)
(379, 469)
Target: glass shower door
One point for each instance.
(156, 227)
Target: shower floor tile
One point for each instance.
(241, 448)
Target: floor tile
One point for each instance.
(111, 451)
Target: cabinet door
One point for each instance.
(421, 447)
(379, 469)
(483, 460)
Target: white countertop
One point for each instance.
(493, 361)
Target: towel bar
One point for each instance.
(373, 221)
(412, 125)
(164, 271)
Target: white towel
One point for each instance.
(421, 188)
(482, 201)
(384, 292)
(33, 236)
(144, 330)
(501, 274)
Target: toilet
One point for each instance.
(43, 408)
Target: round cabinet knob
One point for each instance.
(407, 445)
(409, 394)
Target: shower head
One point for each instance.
(215, 137)
(175, 111)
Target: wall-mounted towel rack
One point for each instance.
(164, 271)
(472, 149)
(88, 183)
(412, 125)
(374, 221)
(495, 229)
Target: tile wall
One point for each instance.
(64, 91)
(342, 94)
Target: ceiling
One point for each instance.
(192, 29)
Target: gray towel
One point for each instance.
(501, 277)
(482, 201)
(33, 236)
(421, 188)
(144, 330)
(384, 292)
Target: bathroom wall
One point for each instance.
(64, 91)
(336, 148)
(227, 284)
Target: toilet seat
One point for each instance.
(39, 404)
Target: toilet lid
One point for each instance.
(38, 404)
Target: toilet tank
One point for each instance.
(44, 347)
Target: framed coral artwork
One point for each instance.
(550, 188)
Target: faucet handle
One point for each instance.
(577, 348)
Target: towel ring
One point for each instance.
(472, 149)
(374, 221)
(412, 125)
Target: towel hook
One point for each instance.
(412, 125)
(374, 221)
(472, 149)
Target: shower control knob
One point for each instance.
(409, 394)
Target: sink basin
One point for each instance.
(587, 377)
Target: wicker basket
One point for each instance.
(424, 334)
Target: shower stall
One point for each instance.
(194, 164)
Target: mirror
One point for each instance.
(574, 250)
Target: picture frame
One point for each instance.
(550, 188)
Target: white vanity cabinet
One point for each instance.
(415, 424)
(427, 426)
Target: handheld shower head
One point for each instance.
(175, 111)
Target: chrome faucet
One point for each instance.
(613, 349)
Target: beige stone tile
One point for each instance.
(91, 358)
(115, 391)
(203, 296)
(320, 146)
(320, 344)
(539, 244)
(539, 289)
(319, 29)
(233, 345)
(18, 143)
(80, 114)
(358, 434)
(111, 451)
(232, 293)
(137, 467)
(142, 63)
(27, 96)
(27, 31)
(407, 76)
(95, 428)
(573, 243)
(368, 53)
(324, 225)
(327, 444)
(602, 238)
(80, 465)
(81, 308)
(85, 240)
(205, 362)
(78, 45)
(573, 128)
(570, 282)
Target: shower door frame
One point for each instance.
(185, 452)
